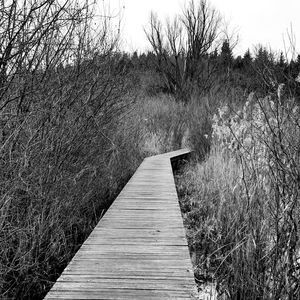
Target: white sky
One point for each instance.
(257, 21)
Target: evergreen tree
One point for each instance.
(247, 58)
(298, 60)
(226, 56)
(238, 63)
(247, 63)
(281, 62)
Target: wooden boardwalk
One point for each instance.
(138, 250)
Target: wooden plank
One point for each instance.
(120, 294)
(139, 249)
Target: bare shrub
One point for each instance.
(60, 104)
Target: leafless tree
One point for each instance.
(183, 44)
(202, 26)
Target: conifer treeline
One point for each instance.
(260, 70)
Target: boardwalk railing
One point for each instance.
(139, 249)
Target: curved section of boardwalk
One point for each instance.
(138, 250)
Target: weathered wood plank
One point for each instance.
(138, 250)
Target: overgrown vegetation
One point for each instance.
(71, 136)
(241, 205)
(77, 116)
(62, 98)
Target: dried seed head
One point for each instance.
(280, 90)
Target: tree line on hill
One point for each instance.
(260, 70)
(193, 54)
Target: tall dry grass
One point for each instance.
(242, 205)
(167, 124)
(58, 175)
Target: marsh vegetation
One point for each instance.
(78, 115)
